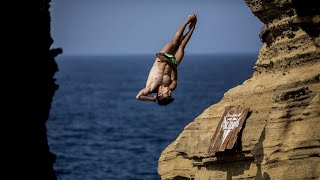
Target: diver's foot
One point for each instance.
(193, 23)
(191, 18)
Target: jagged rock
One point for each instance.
(28, 88)
(280, 138)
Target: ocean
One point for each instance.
(99, 131)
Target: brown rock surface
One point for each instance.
(280, 138)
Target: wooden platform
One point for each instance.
(228, 128)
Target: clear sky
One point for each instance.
(98, 27)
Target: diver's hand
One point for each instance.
(154, 98)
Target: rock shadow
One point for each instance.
(258, 153)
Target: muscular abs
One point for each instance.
(160, 74)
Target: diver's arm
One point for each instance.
(143, 95)
(173, 85)
(174, 78)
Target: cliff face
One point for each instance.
(280, 138)
(27, 88)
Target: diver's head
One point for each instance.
(164, 96)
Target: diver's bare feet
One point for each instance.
(191, 18)
(193, 23)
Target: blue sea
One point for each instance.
(99, 131)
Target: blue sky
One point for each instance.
(99, 27)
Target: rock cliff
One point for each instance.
(28, 86)
(280, 138)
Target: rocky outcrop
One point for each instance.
(27, 88)
(280, 138)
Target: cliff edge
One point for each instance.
(28, 86)
(280, 138)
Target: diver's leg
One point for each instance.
(185, 39)
(172, 46)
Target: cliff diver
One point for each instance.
(163, 75)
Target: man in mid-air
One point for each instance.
(163, 75)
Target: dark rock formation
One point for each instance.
(28, 88)
(281, 138)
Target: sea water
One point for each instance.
(99, 131)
